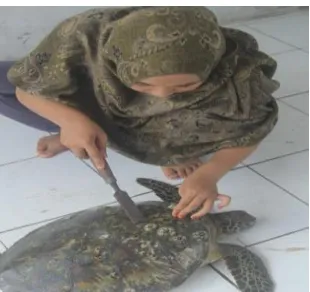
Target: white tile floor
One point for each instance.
(273, 185)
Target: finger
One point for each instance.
(173, 175)
(102, 144)
(84, 155)
(79, 153)
(41, 147)
(224, 201)
(185, 200)
(206, 208)
(189, 170)
(199, 163)
(181, 172)
(96, 157)
(192, 206)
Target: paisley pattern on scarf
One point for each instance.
(89, 61)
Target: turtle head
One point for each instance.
(233, 221)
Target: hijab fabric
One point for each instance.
(89, 62)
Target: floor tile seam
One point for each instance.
(293, 107)
(276, 237)
(277, 157)
(280, 187)
(273, 37)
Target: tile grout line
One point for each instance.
(147, 192)
(90, 167)
(275, 38)
(240, 26)
(242, 166)
(280, 187)
(140, 194)
(293, 47)
(291, 95)
(55, 218)
(284, 52)
(277, 237)
(278, 157)
(222, 275)
(295, 108)
(237, 168)
(62, 216)
(32, 224)
(18, 161)
(4, 246)
(269, 17)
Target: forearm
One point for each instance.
(53, 111)
(224, 160)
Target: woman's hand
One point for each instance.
(85, 139)
(198, 193)
(77, 132)
(199, 190)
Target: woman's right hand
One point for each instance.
(85, 139)
(77, 131)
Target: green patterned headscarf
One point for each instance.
(165, 41)
(89, 61)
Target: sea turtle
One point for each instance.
(100, 250)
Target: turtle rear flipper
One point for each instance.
(248, 269)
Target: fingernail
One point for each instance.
(175, 211)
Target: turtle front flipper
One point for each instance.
(167, 192)
(248, 269)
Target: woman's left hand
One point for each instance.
(198, 192)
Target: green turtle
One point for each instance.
(100, 250)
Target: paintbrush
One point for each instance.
(122, 197)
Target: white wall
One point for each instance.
(21, 28)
